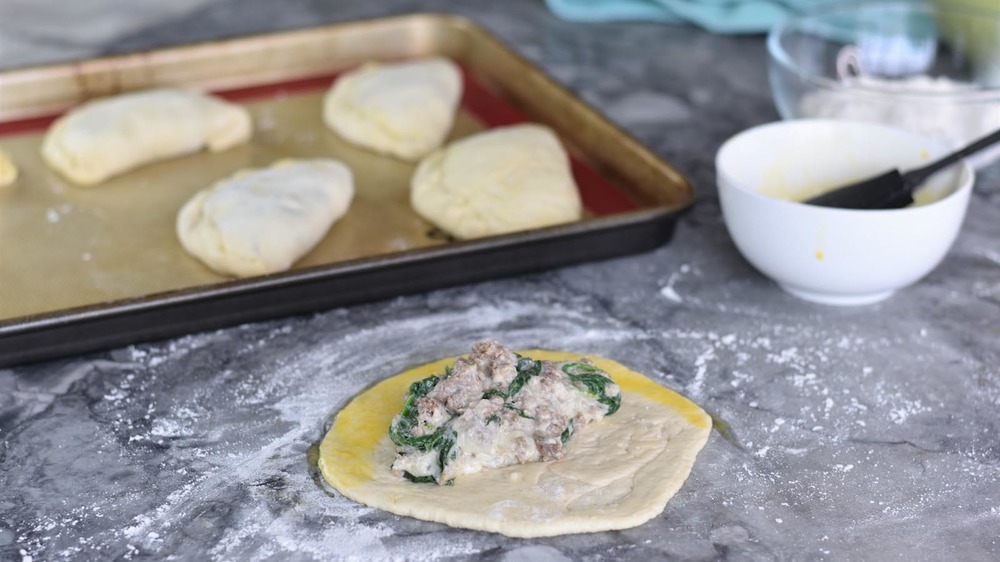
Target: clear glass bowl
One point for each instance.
(931, 68)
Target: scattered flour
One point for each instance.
(784, 384)
(668, 291)
(291, 395)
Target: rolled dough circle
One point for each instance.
(617, 473)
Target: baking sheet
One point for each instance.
(77, 259)
(67, 246)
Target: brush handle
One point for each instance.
(913, 178)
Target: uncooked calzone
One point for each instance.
(106, 137)
(499, 181)
(8, 169)
(615, 473)
(262, 221)
(404, 109)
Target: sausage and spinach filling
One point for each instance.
(496, 408)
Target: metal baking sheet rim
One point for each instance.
(91, 328)
(94, 328)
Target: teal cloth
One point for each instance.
(719, 16)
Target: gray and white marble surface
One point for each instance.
(859, 434)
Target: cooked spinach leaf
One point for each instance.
(419, 479)
(494, 393)
(423, 386)
(568, 432)
(401, 430)
(519, 411)
(526, 368)
(589, 379)
(447, 442)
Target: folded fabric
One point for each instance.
(719, 16)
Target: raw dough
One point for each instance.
(8, 169)
(106, 137)
(404, 109)
(617, 473)
(262, 221)
(503, 180)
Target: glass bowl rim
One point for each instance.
(979, 93)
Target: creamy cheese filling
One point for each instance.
(496, 408)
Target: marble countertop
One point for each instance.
(859, 434)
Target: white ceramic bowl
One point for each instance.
(836, 256)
